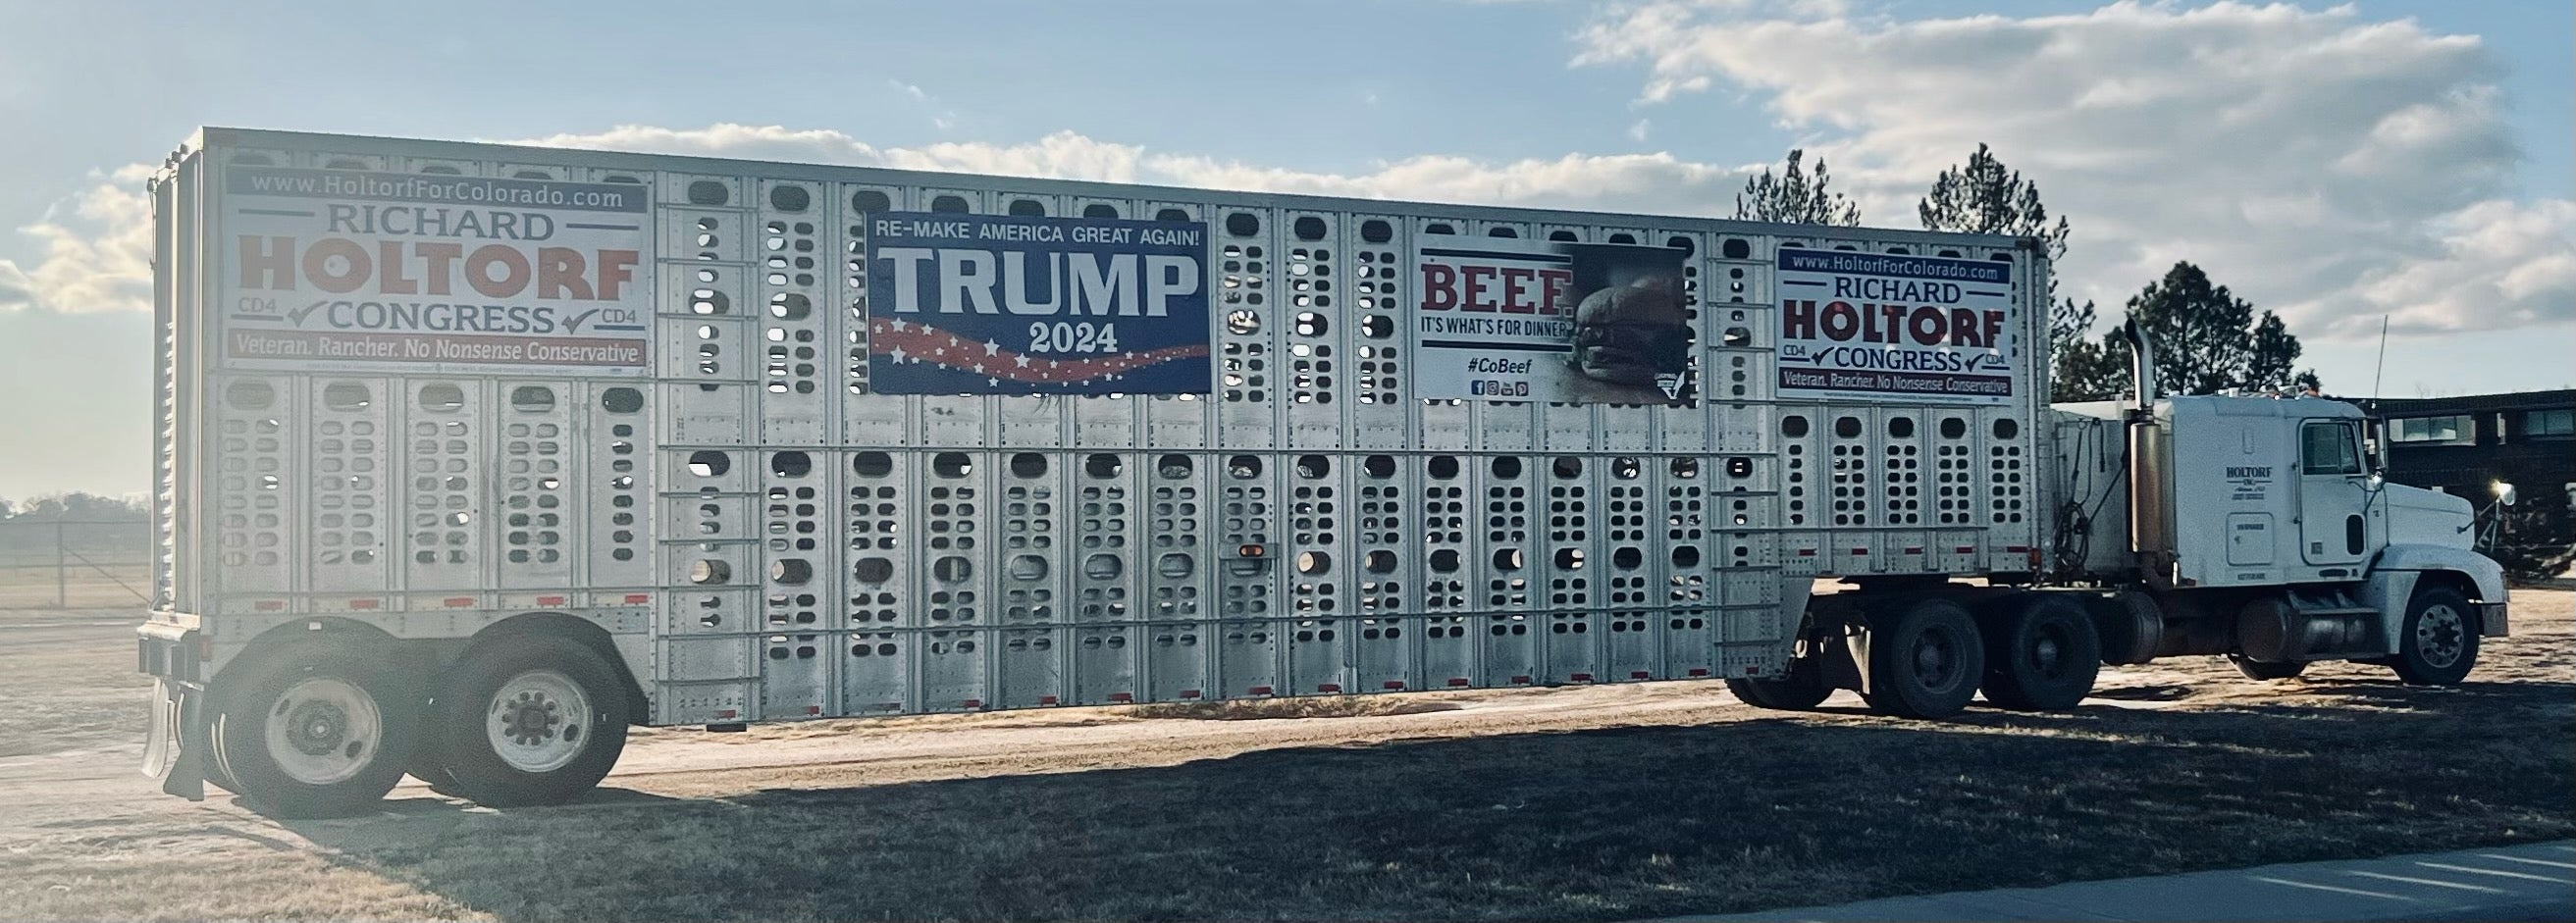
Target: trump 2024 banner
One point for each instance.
(1000, 304)
(1874, 325)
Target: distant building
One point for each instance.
(2466, 445)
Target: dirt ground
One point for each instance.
(1583, 803)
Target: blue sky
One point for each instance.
(1497, 101)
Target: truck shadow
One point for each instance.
(1595, 824)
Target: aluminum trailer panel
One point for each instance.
(1264, 449)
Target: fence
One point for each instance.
(53, 564)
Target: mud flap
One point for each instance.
(178, 723)
(1845, 660)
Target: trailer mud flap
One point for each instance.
(175, 750)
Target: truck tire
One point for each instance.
(2266, 669)
(1926, 660)
(312, 730)
(1801, 689)
(534, 720)
(2042, 653)
(2437, 645)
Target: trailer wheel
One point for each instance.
(2437, 645)
(537, 720)
(1801, 689)
(2042, 654)
(1926, 661)
(2266, 669)
(312, 730)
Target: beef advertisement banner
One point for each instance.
(999, 304)
(1502, 319)
(1870, 325)
(356, 269)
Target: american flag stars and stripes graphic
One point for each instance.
(902, 341)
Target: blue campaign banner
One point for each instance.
(1002, 304)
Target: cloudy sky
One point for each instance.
(2407, 159)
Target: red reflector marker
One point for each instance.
(1257, 690)
(1392, 684)
(1699, 671)
(725, 713)
(1580, 677)
(972, 703)
(269, 605)
(813, 709)
(1640, 674)
(550, 600)
(1806, 552)
(1328, 687)
(1122, 697)
(1913, 549)
(364, 603)
(1860, 551)
(1459, 681)
(459, 602)
(1189, 693)
(1046, 700)
(1965, 549)
(635, 598)
(1520, 679)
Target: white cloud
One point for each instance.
(97, 245)
(1637, 132)
(96, 250)
(2321, 164)
(2506, 264)
(1645, 182)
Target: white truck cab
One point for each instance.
(2260, 528)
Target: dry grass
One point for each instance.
(1589, 804)
(1337, 706)
(84, 586)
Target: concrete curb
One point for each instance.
(2533, 882)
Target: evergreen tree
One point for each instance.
(2206, 339)
(1987, 197)
(1795, 196)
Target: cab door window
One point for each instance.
(2328, 448)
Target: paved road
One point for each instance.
(2535, 882)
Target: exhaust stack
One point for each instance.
(2142, 363)
(2150, 454)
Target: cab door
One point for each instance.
(2334, 493)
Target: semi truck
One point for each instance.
(470, 457)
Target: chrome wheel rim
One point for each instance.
(538, 721)
(2440, 635)
(2048, 652)
(323, 730)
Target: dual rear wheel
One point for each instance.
(325, 728)
(1928, 657)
